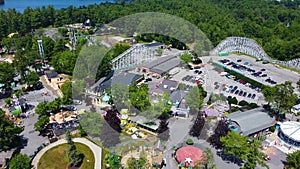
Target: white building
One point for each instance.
(289, 133)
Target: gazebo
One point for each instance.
(189, 155)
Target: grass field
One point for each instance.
(55, 158)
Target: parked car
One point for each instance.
(77, 102)
(236, 92)
(235, 87)
(253, 96)
(71, 108)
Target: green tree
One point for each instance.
(41, 109)
(64, 62)
(32, 78)
(74, 158)
(208, 161)
(186, 57)
(66, 89)
(182, 86)
(139, 96)
(7, 73)
(248, 151)
(232, 101)
(285, 97)
(20, 161)
(195, 98)
(92, 123)
(112, 161)
(8, 133)
(78, 87)
(41, 123)
(141, 163)
(159, 51)
(293, 160)
(269, 94)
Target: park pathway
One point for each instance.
(97, 151)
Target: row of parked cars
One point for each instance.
(193, 79)
(269, 80)
(235, 90)
(254, 73)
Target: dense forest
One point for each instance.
(274, 25)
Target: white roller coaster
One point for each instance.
(250, 47)
(135, 55)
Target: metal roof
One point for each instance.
(166, 66)
(123, 78)
(158, 61)
(252, 121)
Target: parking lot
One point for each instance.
(273, 72)
(228, 87)
(190, 77)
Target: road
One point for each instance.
(29, 134)
(97, 151)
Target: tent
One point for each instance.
(17, 111)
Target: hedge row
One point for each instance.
(240, 76)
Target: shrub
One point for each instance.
(7, 101)
(253, 105)
(272, 129)
(189, 142)
(243, 103)
(234, 109)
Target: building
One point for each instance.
(55, 80)
(122, 78)
(160, 67)
(289, 133)
(250, 123)
(167, 86)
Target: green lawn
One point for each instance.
(55, 158)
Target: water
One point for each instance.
(20, 5)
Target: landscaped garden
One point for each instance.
(57, 157)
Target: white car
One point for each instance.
(77, 102)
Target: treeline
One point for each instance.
(274, 25)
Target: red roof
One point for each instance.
(191, 152)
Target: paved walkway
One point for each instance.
(97, 151)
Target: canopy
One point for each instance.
(17, 111)
(189, 153)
